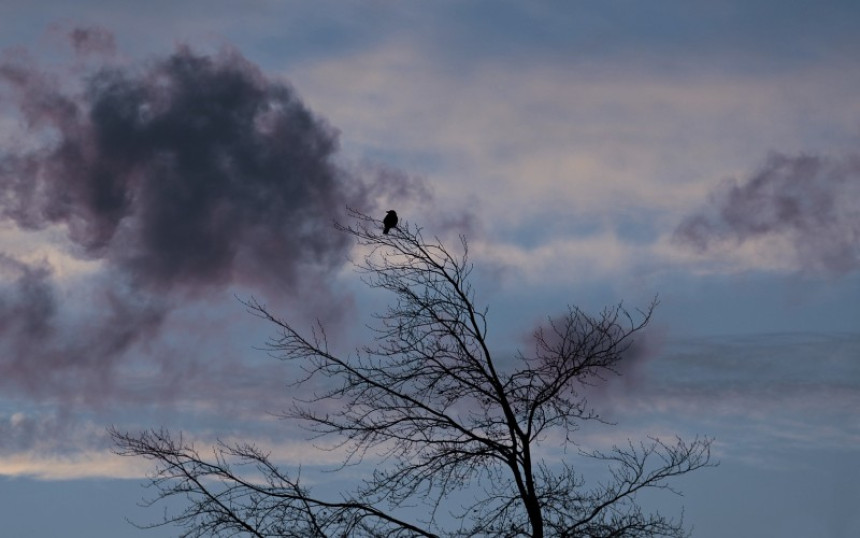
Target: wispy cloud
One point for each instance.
(808, 204)
(52, 446)
(570, 137)
(48, 350)
(754, 393)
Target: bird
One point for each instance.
(390, 221)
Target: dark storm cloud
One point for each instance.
(190, 171)
(182, 175)
(810, 200)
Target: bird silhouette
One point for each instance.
(390, 221)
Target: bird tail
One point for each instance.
(385, 230)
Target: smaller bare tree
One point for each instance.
(433, 402)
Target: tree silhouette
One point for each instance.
(430, 397)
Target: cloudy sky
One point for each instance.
(160, 159)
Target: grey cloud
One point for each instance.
(417, 202)
(627, 376)
(28, 308)
(92, 40)
(611, 397)
(810, 200)
(57, 354)
(183, 175)
(192, 171)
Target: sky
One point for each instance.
(160, 162)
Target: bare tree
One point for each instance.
(443, 412)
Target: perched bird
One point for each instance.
(390, 220)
